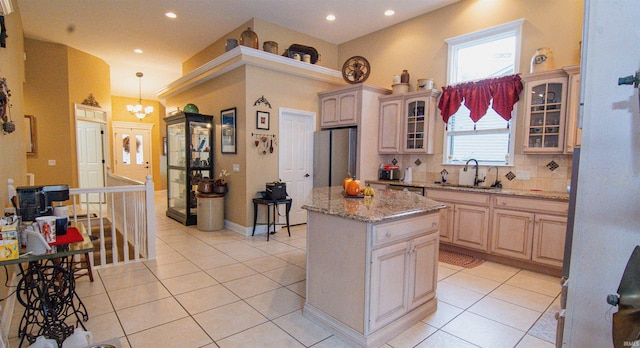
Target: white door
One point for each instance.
(296, 158)
(89, 145)
(132, 150)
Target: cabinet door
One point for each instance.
(548, 239)
(348, 109)
(512, 233)
(573, 134)
(388, 284)
(545, 116)
(329, 110)
(390, 126)
(446, 222)
(471, 226)
(423, 260)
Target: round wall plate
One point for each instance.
(356, 69)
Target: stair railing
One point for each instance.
(128, 206)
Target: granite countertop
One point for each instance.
(563, 196)
(388, 204)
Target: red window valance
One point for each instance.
(505, 92)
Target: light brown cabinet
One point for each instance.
(573, 133)
(408, 122)
(465, 221)
(551, 111)
(339, 109)
(529, 229)
(399, 282)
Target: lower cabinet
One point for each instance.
(512, 233)
(548, 239)
(471, 226)
(402, 277)
(465, 220)
(528, 229)
(524, 229)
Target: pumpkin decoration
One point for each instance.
(353, 187)
(346, 182)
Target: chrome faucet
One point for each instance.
(476, 181)
(496, 183)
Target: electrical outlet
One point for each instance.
(236, 167)
(52, 162)
(523, 175)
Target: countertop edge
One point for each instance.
(561, 196)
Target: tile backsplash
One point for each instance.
(544, 172)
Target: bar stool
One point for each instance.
(271, 212)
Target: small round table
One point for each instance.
(271, 212)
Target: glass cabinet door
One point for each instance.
(415, 124)
(544, 130)
(544, 122)
(177, 172)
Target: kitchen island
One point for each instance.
(371, 263)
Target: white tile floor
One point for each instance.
(221, 289)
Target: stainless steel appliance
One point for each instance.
(35, 201)
(334, 156)
(389, 173)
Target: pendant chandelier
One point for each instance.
(139, 110)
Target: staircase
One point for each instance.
(108, 241)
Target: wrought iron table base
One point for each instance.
(47, 291)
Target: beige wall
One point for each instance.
(13, 161)
(120, 113)
(267, 31)
(419, 46)
(56, 77)
(47, 99)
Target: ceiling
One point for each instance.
(112, 29)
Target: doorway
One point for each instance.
(132, 150)
(295, 159)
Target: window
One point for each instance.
(489, 53)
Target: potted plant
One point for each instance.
(220, 184)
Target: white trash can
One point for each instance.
(210, 211)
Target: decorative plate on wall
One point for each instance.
(356, 69)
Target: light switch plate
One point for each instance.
(52, 162)
(236, 167)
(523, 174)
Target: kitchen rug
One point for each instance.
(458, 259)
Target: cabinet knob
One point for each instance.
(388, 235)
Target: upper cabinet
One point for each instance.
(551, 99)
(339, 109)
(408, 122)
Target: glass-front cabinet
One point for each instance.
(407, 122)
(545, 115)
(415, 124)
(189, 158)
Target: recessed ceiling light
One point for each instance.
(389, 12)
(171, 15)
(331, 17)
(137, 50)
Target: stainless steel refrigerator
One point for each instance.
(334, 156)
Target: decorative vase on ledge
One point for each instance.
(222, 189)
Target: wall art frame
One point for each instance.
(228, 134)
(262, 120)
(30, 127)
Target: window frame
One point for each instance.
(513, 28)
